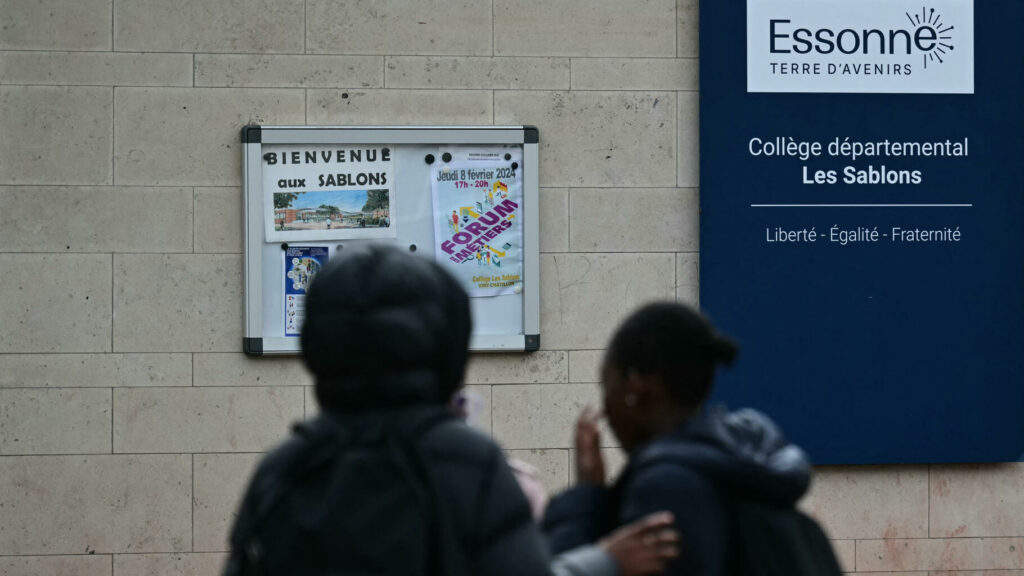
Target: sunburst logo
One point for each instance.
(932, 36)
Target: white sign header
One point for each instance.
(861, 46)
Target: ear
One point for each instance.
(648, 388)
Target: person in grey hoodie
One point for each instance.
(656, 376)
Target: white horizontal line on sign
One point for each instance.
(862, 205)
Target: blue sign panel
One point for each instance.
(862, 221)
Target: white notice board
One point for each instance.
(464, 196)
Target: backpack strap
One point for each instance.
(409, 442)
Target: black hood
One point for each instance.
(742, 451)
(385, 328)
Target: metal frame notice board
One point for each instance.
(465, 196)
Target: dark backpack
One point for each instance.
(771, 539)
(349, 500)
(781, 540)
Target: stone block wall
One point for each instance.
(129, 419)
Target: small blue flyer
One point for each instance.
(301, 264)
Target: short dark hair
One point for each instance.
(675, 342)
(385, 328)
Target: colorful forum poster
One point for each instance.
(301, 265)
(478, 230)
(328, 192)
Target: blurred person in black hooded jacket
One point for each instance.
(657, 373)
(386, 337)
